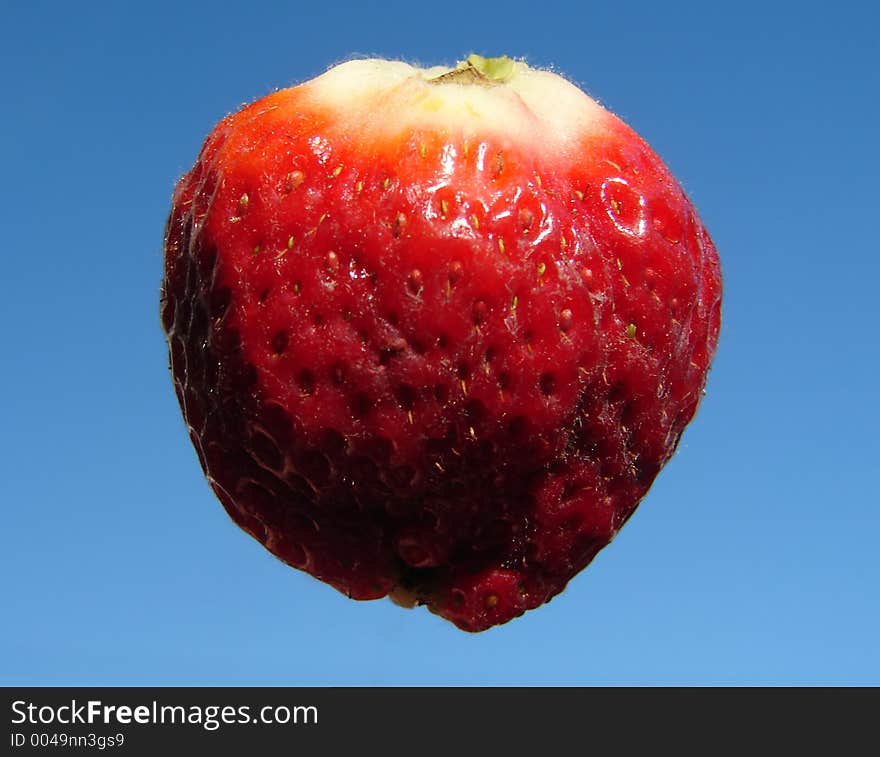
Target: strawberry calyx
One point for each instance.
(478, 70)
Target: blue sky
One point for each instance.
(754, 558)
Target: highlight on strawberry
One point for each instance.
(434, 332)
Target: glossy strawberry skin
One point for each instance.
(439, 367)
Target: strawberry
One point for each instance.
(435, 332)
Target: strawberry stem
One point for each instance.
(478, 70)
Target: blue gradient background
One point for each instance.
(754, 558)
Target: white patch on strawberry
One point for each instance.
(530, 107)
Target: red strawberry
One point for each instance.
(435, 332)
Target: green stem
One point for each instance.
(479, 70)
